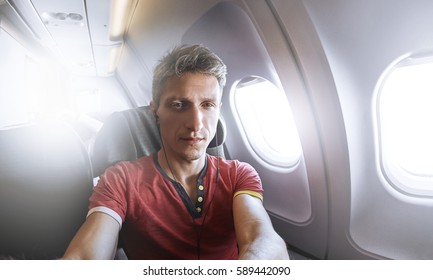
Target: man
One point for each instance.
(181, 203)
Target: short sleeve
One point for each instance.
(248, 181)
(110, 192)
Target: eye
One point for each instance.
(178, 105)
(208, 104)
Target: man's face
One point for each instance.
(188, 113)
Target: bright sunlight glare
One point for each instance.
(406, 105)
(267, 119)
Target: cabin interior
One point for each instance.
(321, 98)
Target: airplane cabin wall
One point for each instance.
(362, 40)
(322, 131)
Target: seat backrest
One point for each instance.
(133, 133)
(45, 183)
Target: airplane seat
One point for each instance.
(133, 133)
(45, 183)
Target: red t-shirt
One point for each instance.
(159, 220)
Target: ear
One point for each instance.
(154, 109)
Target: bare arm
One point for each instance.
(255, 234)
(96, 239)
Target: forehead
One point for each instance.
(191, 86)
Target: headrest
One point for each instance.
(133, 133)
(220, 135)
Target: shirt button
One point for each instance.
(200, 199)
(200, 187)
(198, 209)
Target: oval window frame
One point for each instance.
(401, 178)
(252, 132)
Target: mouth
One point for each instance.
(192, 140)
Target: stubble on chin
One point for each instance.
(193, 154)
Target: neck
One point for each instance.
(180, 170)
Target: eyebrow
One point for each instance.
(183, 99)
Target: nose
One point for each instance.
(195, 119)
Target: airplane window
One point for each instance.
(266, 118)
(406, 126)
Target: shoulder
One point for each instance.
(125, 177)
(125, 168)
(230, 164)
(240, 176)
(234, 169)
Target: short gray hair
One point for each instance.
(187, 58)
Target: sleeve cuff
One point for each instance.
(252, 193)
(107, 211)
